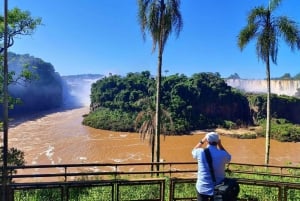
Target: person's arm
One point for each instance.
(220, 146)
(200, 144)
(195, 151)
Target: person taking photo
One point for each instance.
(220, 157)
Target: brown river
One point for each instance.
(60, 138)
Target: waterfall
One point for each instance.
(77, 89)
(279, 87)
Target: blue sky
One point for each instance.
(103, 36)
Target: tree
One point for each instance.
(19, 23)
(145, 122)
(15, 158)
(268, 29)
(159, 18)
(13, 23)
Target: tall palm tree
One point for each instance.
(159, 18)
(267, 30)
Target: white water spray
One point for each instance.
(77, 90)
(279, 87)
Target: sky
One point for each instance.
(104, 36)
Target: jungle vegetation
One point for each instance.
(201, 101)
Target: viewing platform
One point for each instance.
(163, 181)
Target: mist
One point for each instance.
(77, 90)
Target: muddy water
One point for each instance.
(59, 138)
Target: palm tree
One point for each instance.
(268, 29)
(145, 122)
(159, 18)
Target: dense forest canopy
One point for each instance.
(203, 100)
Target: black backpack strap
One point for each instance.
(209, 160)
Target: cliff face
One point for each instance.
(279, 87)
(287, 108)
(281, 106)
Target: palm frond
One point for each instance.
(153, 24)
(273, 4)
(160, 19)
(256, 15)
(142, 18)
(289, 31)
(246, 35)
(145, 120)
(173, 13)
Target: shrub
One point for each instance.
(107, 119)
(283, 130)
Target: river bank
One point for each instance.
(237, 133)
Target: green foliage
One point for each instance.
(19, 23)
(247, 136)
(184, 191)
(145, 192)
(15, 157)
(229, 124)
(284, 131)
(49, 194)
(282, 107)
(116, 92)
(116, 120)
(268, 29)
(160, 19)
(30, 75)
(265, 193)
(100, 193)
(201, 101)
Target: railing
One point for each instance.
(173, 181)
